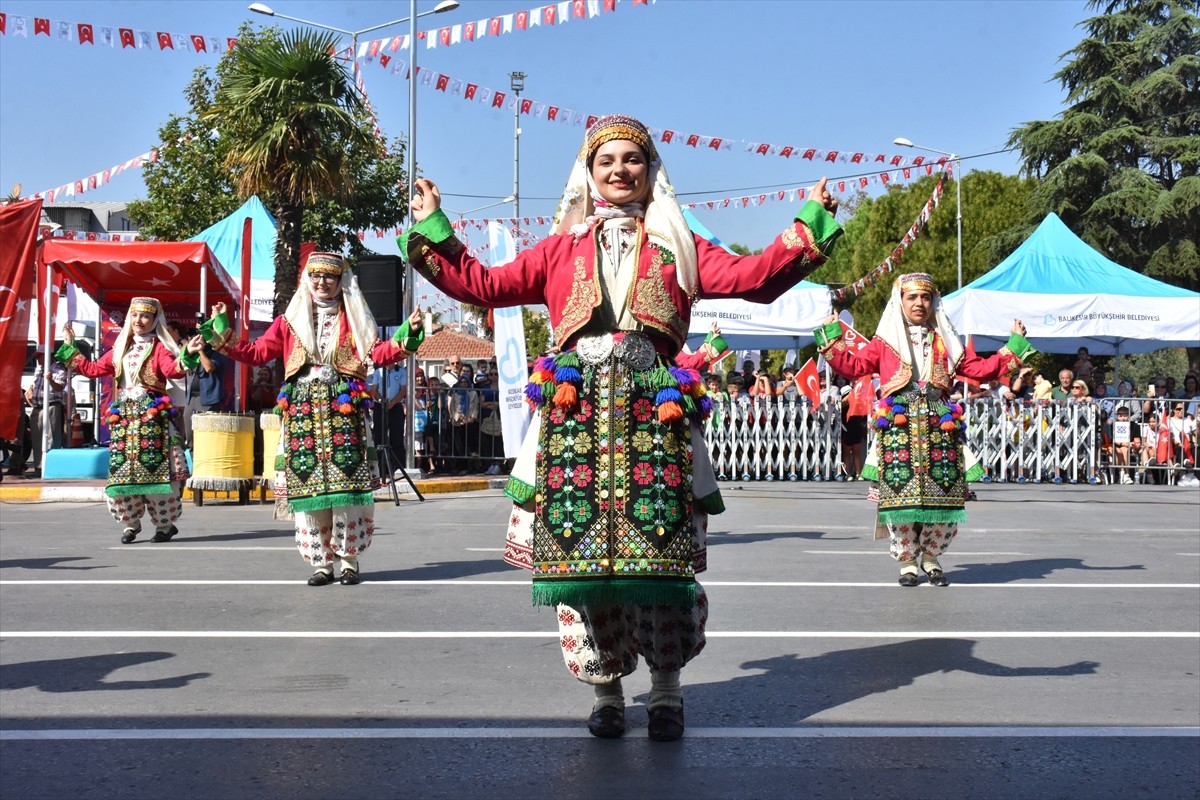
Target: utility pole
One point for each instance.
(518, 85)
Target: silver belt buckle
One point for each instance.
(637, 351)
(594, 349)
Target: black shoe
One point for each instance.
(165, 536)
(321, 578)
(350, 577)
(128, 536)
(909, 579)
(607, 722)
(938, 578)
(666, 724)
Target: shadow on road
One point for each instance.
(726, 537)
(1029, 569)
(443, 571)
(48, 563)
(792, 688)
(237, 536)
(87, 673)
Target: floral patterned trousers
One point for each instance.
(602, 643)
(912, 539)
(164, 509)
(330, 533)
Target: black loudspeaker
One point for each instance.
(381, 279)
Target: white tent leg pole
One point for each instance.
(48, 329)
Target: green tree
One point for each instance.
(190, 186)
(991, 203)
(1121, 165)
(537, 331)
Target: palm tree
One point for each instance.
(293, 113)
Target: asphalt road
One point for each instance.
(1062, 662)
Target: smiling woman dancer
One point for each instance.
(613, 486)
(326, 468)
(146, 467)
(918, 460)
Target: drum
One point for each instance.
(222, 452)
(269, 422)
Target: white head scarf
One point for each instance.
(893, 327)
(299, 313)
(581, 206)
(152, 305)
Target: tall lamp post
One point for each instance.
(957, 187)
(517, 83)
(442, 7)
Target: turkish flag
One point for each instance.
(164, 41)
(51, 298)
(498, 100)
(808, 381)
(127, 39)
(85, 33)
(41, 26)
(862, 395)
(18, 230)
(198, 44)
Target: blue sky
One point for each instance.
(847, 76)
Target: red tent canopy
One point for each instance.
(115, 272)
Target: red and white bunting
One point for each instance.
(559, 13)
(85, 33)
(93, 181)
(548, 112)
(896, 259)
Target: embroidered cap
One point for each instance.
(147, 305)
(916, 281)
(617, 126)
(325, 264)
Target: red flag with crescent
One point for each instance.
(808, 381)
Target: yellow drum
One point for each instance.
(269, 422)
(223, 452)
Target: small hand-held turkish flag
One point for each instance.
(808, 381)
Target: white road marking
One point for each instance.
(903, 635)
(520, 582)
(577, 732)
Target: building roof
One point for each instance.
(447, 342)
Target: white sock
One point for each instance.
(609, 694)
(908, 567)
(349, 562)
(665, 690)
(930, 563)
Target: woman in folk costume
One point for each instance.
(326, 471)
(613, 486)
(918, 463)
(146, 466)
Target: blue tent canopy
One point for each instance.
(1071, 296)
(225, 240)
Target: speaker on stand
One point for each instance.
(381, 281)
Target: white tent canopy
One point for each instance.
(785, 324)
(1070, 296)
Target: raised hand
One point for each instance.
(195, 344)
(426, 200)
(822, 195)
(218, 309)
(1018, 327)
(68, 334)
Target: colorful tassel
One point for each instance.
(565, 395)
(669, 411)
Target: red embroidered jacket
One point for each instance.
(894, 374)
(561, 273)
(281, 341)
(157, 367)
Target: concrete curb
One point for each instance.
(91, 492)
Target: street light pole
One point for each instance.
(410, 458)
(957, 189)
(518, 85)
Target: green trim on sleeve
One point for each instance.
(827, 334)
(719, 345)
(214, 328)
(825, 229)
(436, 228)
(1020, 346)
(407, 340)
(66, 352)
(189, 360)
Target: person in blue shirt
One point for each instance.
(391, 402)
(206, 390)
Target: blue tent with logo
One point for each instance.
(1070, 296)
